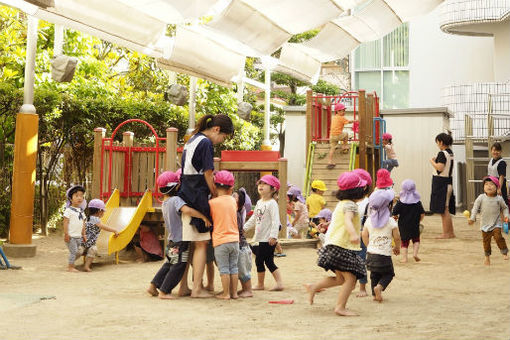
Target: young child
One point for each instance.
(391, 157)
(363, 212)
(244, 261)
(148, 248)
(266, 221)
(409, 212)
(378, 233)
(74, 224)
(174, 270)
(300, 212)
(316, 202)
(319, 230)
(225, 235)
(384, 180)
(497, 168)
(93, 226)
(342, 242)
(491, 206)
(337, 133)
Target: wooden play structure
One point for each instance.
(365, 144)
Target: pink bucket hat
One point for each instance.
(383, 179)
(167, 179)
(179, 173)
(339, 107)
(494, 180)
(97, 204)
(387, 136)
(364, 175)
(271, 180)
(350, 180)
(224, 177)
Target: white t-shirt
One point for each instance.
(75, 223)
(265, 219)
(380, 238)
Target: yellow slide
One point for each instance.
(125, 220)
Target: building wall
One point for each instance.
(437, 60)
(295, 144)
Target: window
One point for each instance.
(383, 66)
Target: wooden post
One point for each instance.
(362, 129)
(282, 201)
(309, 108)
(217, 163)
(127, 140)
(171, 149)
(470, 163)
(99, 134)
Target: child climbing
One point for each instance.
(391, 157)
(337, 133)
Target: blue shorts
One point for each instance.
(226, 256)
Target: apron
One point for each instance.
(439, 190)
(492, 170)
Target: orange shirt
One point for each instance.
(224, 219)
(337, 124)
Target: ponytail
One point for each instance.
(209, 121)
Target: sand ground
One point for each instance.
(449, 295)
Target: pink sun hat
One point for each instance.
(494, 180)
(339, 107)
(350, 180)
(271, 180)
(167, 179)
(387, 136)
(364, 175)
(224, 177)
(383, 179)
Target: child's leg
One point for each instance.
(244, 271)
(73, 245)
(500, 241)
(259, 263)
(486, 238)
(374, 280)
(233, 286)
(183, 287)
(268, 252)
(384, 281)
(404, 250)
(88, 263)
(158, 279)
(225, 284)
(363, 281)
(246, 289)
(221, 253)
(326, 282)
(278, 278)
(333, 143)
(233, 259)
(172, 278)
(416, 248)
(260, 281)
(210, 268)
(139, 254)
(345, 290)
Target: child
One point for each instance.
(244, 261)
(391, 157)
(315, 202)
(197, 184)
(93, 226)
(491, 206)
(174, 270)
(383, 180)
(342, 242)
(300, 212)
(363, 212)
(337, 134)
(319, 230)
(149, 247)
(378, 233)
(74, 224)
(225, 235)
(497, 168)
(266, 221)
(409, 212)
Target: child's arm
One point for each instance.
(250, 223)
(107, 228)
(348, 216)
(195, 213)
(83, 233)
(503, 207)
(275, 223)
(396, 238)
(476, 208)
(66, 229)
(296, 217)
(209, 179)
(365, 236)
(422, 216)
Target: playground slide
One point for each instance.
(125, 220)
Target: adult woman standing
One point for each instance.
(497, 168)
(197, 184)
(442, 199)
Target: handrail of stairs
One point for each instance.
(352, 155)
(378, 141)
(309, 166)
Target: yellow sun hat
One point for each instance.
(319, 185)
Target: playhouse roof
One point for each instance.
(216, 50)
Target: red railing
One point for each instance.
(128, 164)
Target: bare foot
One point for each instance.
(345, 312)
(505, 257)
(210, 288)
(444, 237)
(73, 270)
(487, 261)
(87, 269)
(403, 260)
(184, 292)
(223, 297)
(235, 296)
(416, 258)
(311, 292)
(257, 287)
(378, 293)
(201, 294)
(245, 294)
(140, 261)
(164, 296)
(152, 290)
(277, 288)
(362, 293)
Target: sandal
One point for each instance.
(330, 166)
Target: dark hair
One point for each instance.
(241, 199)
(292, 198)
(314, 189)
(91, 212)
(444, 138)
(209, 121)
(366, 190)
(496, 146)
(222, 186)
(169, 191)
(350, 194)
(74, 190)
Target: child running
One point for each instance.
(342, 242)
(174, 270)
(244, 261)
(74, 224)
(93, 227)
(409, 212)
(391, 157)
(378, 233)
(491, 206)
(266, 221)
(225, 235)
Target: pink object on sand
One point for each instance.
(150, 243)
(282, 302)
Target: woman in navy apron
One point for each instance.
(497, 168)
(196, 186)
(442, 199)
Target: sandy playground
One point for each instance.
(449, 295)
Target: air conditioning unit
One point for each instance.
(62, 68)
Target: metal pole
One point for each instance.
(58, 43)
(240, 88)
(267, 108)
(191, 105)
(28, 98)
